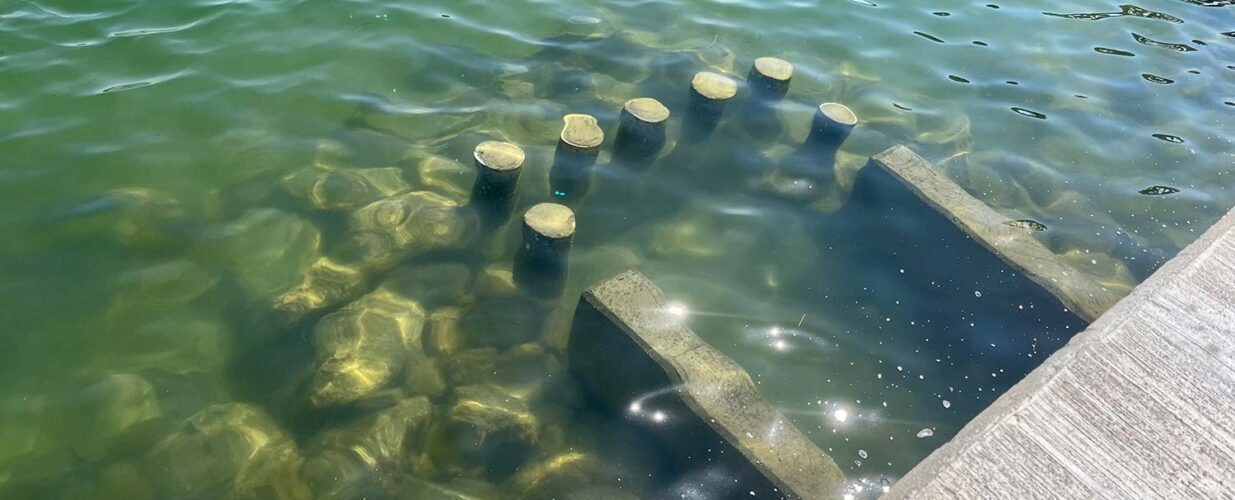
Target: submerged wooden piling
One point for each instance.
(582, 132)
(768, 81)
(541, 263)
(577, 152)
(494, 193)
(641, 134)
(499, 165)
(832, 125)
(710, 94)
(769, 78)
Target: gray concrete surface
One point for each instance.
(1139, 405)
(633, 352)
(1081, 294)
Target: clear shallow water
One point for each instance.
(203, 106)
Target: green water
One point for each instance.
(149, 232)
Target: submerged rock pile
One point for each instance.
(392, 331)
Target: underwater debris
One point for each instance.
(1158, 191)
(1026, 224)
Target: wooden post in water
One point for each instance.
(768, 81)
(499, 165)
(810, 172)
(832, 125)
(769, 78)
(641, 134)
(577, 152)
(710, 93)
(540, 264)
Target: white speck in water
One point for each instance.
(636, 407)
(925, 433)
(862, 453)
(977, 294)
(841, 415)
(947, 404)
(659, 417)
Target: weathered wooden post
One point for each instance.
(641, 134)
(541, 263)
(576, 155)
(768, 81)
(499, 165)
(810, 171)
(832, 125)
(710, 94)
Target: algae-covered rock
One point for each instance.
(106, 411)
(445, 336)
(525, 371)
(137, 218)
(179, 341)
(445, 177)
(231, 450)
(120, 480)
(372, 450)
(496, 281)
(361, 347)
(388, 230)
(162, 287)
(327, 282)
(422, 376)
(485, 431)
(412, 488)
(270, 251)
(471, 367)
(344, 189)
(556, 477)
(504, 323)
(433, 285)
(168, 284)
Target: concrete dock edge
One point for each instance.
(632, 352)
(1082, 295)
(1139, 405)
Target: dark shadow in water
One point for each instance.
(963, 296)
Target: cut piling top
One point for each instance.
(714, 86)
(551, 221)
(647, 110)
(499, 156)
(582, 131)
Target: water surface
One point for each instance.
(144, 146)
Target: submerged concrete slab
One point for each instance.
(1139, 405)
(1082, 295)
(633, 353)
